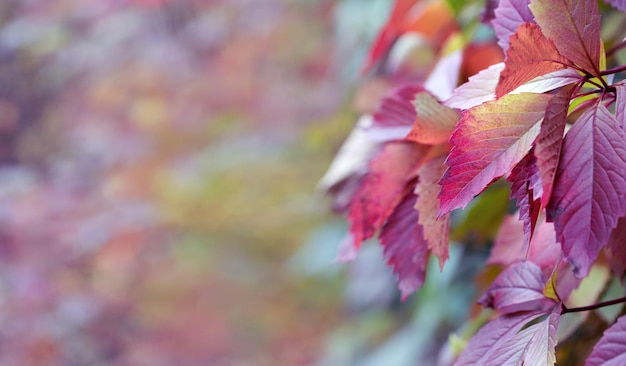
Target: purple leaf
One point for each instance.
(616, 248)
(574, 26)
(404, 245)
(611, 349)
(501, 342)
(509, 15)
(395, 114)
(488, 141)
(550, 140)
(620, 104)
(518, 288)
(619, 4)
(590, 187)
(487, 15)
(525, 187)
(478, 89)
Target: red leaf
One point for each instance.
(404, 245)
(435, 231)
(590, 187)
(507, 17)
(501, 342)
(574, 26)
(611, 348)
(518, 288)
(434, 122)
(530, 55)
(382, 188)
(489, 140)
(550, 140)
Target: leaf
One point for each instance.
(589, 189)
(434, 122)
(404, 245)
(509, 246)
(611, 348)
(507, 17)
(530, 55)
(395, 114)
(350, 164)
(435, 231)
(444, 78)
(518, 288)
(383, 187)
(620, 104)
(525, 186)
(549, 82)
(550, 140)
(478, 89)
(488, 141)
(501, 342)
(617, 248)
(618, 4)
(574, 26)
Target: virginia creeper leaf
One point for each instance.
(589, 188)
(617, 248)
(383, 187)
(574, 26)
(478, 89)
(620, 104)
(444, 78)
(342, 178)
(395, 114)
(611, 348)
(404, 245)
(434, 122)
(550, 140)
(507, 17)
(501, 342)
(525, 188)
(488, 141)
(619, 4)
(435, 231)
(530, 55)
(518, 288)
(549, 82)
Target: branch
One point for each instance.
(566, 310)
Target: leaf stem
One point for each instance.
(566, 310)
(613, 70)
(616, 48)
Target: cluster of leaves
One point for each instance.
(543, 109)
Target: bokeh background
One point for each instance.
(158, 205)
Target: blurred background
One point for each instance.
(158, 204)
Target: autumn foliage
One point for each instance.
(531, 96)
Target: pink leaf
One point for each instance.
(589, 189)
(382, 188)
(395, 114)
(530, 55)
(550, 140)
(574, 26)
(518, 288)
(489, 140)
(435, 231)
(507, 17)
(478, 89)
(501, 342)
(525, 186)
(404, 246)
(611, 349)
(434, 122)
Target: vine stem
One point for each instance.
(613, 70)
(566, 310)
